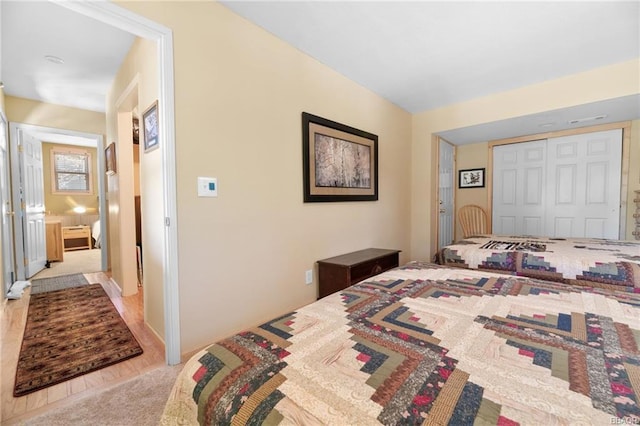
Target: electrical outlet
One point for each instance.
(308, 276)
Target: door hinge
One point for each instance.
(20, 148)
(167, 221)
(26, 261)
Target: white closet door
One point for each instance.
(583, 194)
(446, 187)
(518, 189)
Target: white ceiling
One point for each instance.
(92, 54)
(418, 54)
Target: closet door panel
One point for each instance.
(563, 227)
(565, 185)
(532, 225)
(597, 177)
(518, 189)
(594, 227)
(583, 173)
(533, 178)
(507, 226)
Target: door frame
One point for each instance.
(8, 256)
(19, 212)
(140, 26)
(453, 192)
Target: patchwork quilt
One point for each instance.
(426, 344)
(577, 261)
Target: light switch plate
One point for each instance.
(207, 187)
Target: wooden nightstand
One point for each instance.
(338, 273)
(76, 237)
(53, 232)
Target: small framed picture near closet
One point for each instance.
(471, 178)
(150, 128)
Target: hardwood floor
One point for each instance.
(13, 317)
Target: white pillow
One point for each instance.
(17, 288)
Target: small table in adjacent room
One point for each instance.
(338, 273)
(76, 237)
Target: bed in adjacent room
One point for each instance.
(578, 261)
(427, 344)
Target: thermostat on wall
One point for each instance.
(207, 187)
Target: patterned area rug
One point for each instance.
(69, 333)
(44, 285)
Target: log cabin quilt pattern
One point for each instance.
(426, 344)
(576, 261)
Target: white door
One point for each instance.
(28, 199)
(6, 230)
(445, 194)
(584, 185)
(561, 187)
(518, 188)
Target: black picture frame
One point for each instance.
(151, 128)
(110, 159)
(135, 123)
(350, 176)
(471, 178)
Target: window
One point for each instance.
(71, 172)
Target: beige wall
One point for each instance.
(240, 93)
(470, 157)
(139, 173)
(603, 83)
(634, 178)
(26, 111)
(136, 169)
(63, 204)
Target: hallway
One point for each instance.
(13, 318)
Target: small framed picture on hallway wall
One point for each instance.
(110, 159)
(150, 127)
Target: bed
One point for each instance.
(576, 261)
(427, 344)
(95, 234)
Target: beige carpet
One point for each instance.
(139, 401)
(75, 262)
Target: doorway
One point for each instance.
(165, 185)
(30, 240)
(125, 20)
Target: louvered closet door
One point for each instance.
(518, 189)
(584, 185)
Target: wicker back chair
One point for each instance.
(473, 220)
